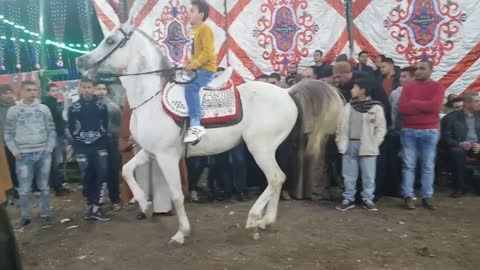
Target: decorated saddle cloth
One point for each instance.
(220, 101)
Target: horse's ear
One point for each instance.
(138, 7)
(106, 15)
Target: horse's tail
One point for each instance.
(320, 106)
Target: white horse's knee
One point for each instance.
(277, 181)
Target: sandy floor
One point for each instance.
(307, 236)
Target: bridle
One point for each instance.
(169, 70)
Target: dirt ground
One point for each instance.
(308, 235)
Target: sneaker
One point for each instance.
(24, 222)
(116, 207)
(370, 206)
(88, 213)
(346, 204)
(409, 203)
(194, 196)
(194, 134)
(428, 204)
(99, 215)
(46, 223)
(285, 196)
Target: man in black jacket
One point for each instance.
(51, 101)
(88, 125)
(461, 135)
(362, 64)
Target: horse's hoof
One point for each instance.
(256, 236)
(148, 210)
(176, 241)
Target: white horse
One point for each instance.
(269, 115)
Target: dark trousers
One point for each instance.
(382, 163)
(113, 175)
(457, 160)
(9, 258)
(13, 175)
(236, 180)
(56, 177)
(93, 165)
(195, 166)
(393, 174)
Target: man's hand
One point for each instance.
(131, 141)
(18, 156)
(465, 145)
(476, 147)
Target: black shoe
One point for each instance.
(409, 204)
(46, 223)
(24, 222)
(242, 197)
(346, 204)
(428, 204)
(457, 194)
(99, 215)
(370, 206)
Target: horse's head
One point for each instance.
(120, 42)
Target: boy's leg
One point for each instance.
(43, 164)
(113, 178)
(192, 97)
(24, 169)
(83, 159)
(101, 173)
(350, 170)
(368, 170)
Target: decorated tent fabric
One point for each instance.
(256, 37)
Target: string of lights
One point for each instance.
(33, 37)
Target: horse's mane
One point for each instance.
(164, 64)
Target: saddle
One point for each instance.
(220, 101)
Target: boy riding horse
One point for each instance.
(203, 60)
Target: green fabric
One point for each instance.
(9, 258)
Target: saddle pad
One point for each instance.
(218, 106)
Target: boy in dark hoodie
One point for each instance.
(88, 123)
(51, 101)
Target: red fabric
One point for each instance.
(212, 120)
(420, 103)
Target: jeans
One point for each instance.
(113, 176)
(237, 177)
(192, 95)
(30, 165)
(196, 166)
(350, 163)
(93, 165)
(56, 176)
(418, 144)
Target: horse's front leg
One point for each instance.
(171, 171)
(128, 170)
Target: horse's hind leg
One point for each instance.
(128, 170)
(269, 198)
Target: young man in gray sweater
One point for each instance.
(30, 135)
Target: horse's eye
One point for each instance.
(110, 41)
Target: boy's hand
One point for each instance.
(188, 68)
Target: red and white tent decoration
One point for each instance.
(263, 36)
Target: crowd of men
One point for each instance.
(388, 136)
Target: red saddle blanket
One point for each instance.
(220, 107)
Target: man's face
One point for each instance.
(292, 69)
(7, 97)
(86, 90)
(29, 92)
(458, 106)
(308, 74)
(405, 77)
(53, 91)
(423, 72)
(317, 57)
(473, 105)
(385, 68)
(378, 61)
(363, 58)
(101, 90)
(273, 81)
(195, 16)
(342, 78)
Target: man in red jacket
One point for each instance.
(419, 106)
